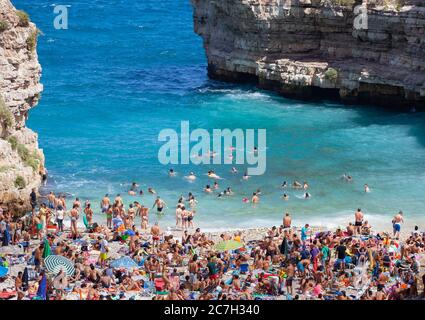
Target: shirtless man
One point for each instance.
(178, 216)
(74, 219)
(155, 231)
(77, 205)
(118, 200)
(358, 220)
(104, 204)
(160, 204)
(287, 221)
(290, 272)
(52, 200)
(397, 220)
(62, 202)
(145, 218)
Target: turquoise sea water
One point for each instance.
(127, 69)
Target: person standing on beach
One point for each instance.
(397, 220)
(104, 204)
(60, 214)
(109, 214)
(33, 200)
(341, 254)
(89, 213)
(52, 200)
(155, 231)
(103, 251)
(178, 215)
(358, 220)
(304, 232)
(77, 205)
(145, 217)
(74, 219)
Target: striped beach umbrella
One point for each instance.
(228, 245)
(124, 262)
(55, 263)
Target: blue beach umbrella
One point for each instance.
(124, 262)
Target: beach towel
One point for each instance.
(42, 288)
(46, 250)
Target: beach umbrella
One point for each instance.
(3, 271)
(55, 263)
(124, 262)
(228, 245)
(46, 250)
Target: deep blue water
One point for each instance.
(127, 69)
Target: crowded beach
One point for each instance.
(60, 253)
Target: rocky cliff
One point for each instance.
(309, 48)
(20, 88)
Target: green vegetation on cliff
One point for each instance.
(20, 182)
(32, 40)
(6, 116)
(3, 25)
(31, 159)
(24, 19)
(331, 74)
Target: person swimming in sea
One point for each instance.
(245, 176)
(347, 178)
(191, 176)
(255, 198)
(151, 190)
(207, 189)
(215, 186)
(133, 189)
(228, 191)
(307, 195)
(211, 174)
(171, 173)
(296, 185)
(234, 170)
(305, 185)
(160, 204)
(366, 188)
(284, 184)
(285, 197)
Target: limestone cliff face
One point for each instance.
(20, 88)
(306, 48)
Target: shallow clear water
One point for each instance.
(127, 69)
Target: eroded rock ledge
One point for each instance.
(309, 48)
(20, 88)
